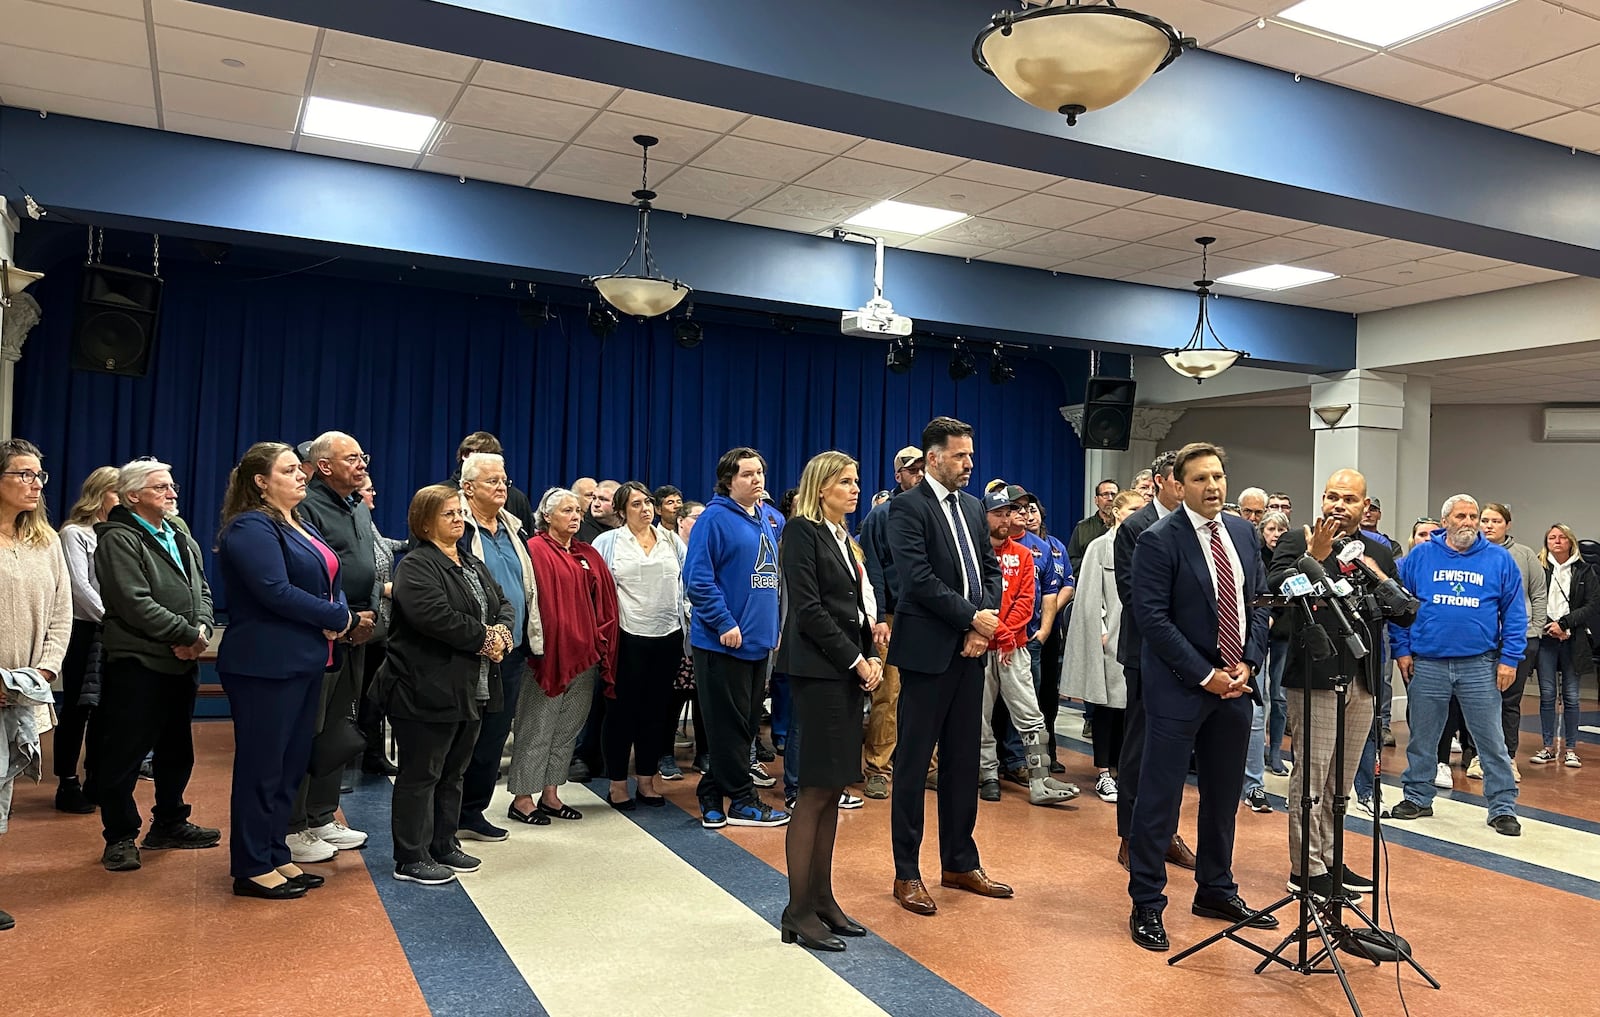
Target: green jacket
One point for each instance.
(151, 604)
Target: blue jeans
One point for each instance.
(1255, 766)
(1472, 681)
(1555, 661)
(780, 707)
(1278, 719)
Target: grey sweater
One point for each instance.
(1533, 586)
(151, 603)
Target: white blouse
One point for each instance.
(648, 594)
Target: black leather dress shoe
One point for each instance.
(1148, 932)
(989, 790)
(1234, 909)
(283, 891)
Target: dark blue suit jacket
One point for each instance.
(1174, 600)
(280, 599)
(931, 616)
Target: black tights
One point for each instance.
(813, 824)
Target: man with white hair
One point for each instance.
(1252, 505)
(158, 621)
(1469, 637)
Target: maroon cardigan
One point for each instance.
(578, 609)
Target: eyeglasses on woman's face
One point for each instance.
(29, 477)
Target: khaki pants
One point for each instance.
(877, 747)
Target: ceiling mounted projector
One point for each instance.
(877, 319)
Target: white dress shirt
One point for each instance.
(647, 583)
(1202, 528)
(940, 492)
(1560, 595)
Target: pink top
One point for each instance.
(330, 561)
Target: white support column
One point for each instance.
(12, 329)
(1150, 427)
(1358, 417)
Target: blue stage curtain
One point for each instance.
(408, 370)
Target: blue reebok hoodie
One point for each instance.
(1472, 602)
(730, 575)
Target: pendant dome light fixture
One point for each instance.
(1193, 359)
(645, 293)
(1075, 57)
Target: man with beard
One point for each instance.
(1469, 637)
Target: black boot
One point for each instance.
(70, 798)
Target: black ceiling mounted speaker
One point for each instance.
(118, 313)
(1108, 413)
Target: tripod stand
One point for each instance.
(1322, 930)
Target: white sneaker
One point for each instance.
(1455, 745)
(1106, 787)
(1573, 760)
(1441, 776)
(306, 846)
(340, 836)
(849, 801)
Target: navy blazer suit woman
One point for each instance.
(281, 599)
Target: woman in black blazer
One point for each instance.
(451, 629)
(827, 651)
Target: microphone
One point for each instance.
(1335, 602)
(1314, 637)
(1394, 599)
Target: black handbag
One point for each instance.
(339, 742)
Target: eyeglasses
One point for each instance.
(353, 459)
(161, 488)
(29, 476)
(451, 515)
(493, 482)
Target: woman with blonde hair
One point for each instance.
(1565, 652)
(35, 600)
(828, 652)
(97, 497)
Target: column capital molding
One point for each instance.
(15, 324)
(1150, 423)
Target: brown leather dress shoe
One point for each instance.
(977, 881)
(1178, 853)
(914, 896)
(1122, 854)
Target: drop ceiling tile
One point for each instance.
(520, 114)
(949, 248)
(233, 25)
(121, 8)
(676, 111)
(1578, 129)
(1497, 107)
(886, 154)
(1096, 269)
(1353, 260)
(1278, 45)
(1204, 22)
(698, 184)
(864, 179)
(1019, 258)
(1332, 289)
(958, 195)
(1228, 237)
(396, 56)
(1260, 222)
(1528, 273)
(1047, 210)
(988, 233)
(1506, 40)
(474, 170)
(208, 127)
(618, 172)
(1333, 236)
(1141, 257)
(1404, 250)
(356, 153)
(1347, 305)
(36, 70)
(220, 101)
(195, 55)
(76, 33)
(1468, 283)
(1406, 273)
(543, 84)
(582, 187)
(379, 86)
(779, 221)
(1278, 250)
(677, 204)
(78, 106)
(1465, 262)
(748, 157)
(496, 148)
(809, 203)
(812, 139)
(1180, 208)
(1065, 246)
(614, 132)
(1100, 194)
(1004, 176)
(1394, 78)
(1127, 224)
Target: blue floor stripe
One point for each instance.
(457, 959)
(1394, 832)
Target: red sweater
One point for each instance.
(1016, 596)
(578, 609)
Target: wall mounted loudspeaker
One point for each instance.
(1108, 413)
(118, 314)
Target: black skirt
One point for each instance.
(828, 713)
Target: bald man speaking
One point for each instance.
(1344, 499)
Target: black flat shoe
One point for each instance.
(283, 891)
(790, 934)
(626, 805)
(653, 801)
(534, 818)
(845, 928)
(309, 880)
(565, 812)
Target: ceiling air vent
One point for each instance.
(1572, 423)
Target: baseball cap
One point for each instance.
(1376, 504)
(1022, 496)
(906, 456)
(999, 498)
(303, 450)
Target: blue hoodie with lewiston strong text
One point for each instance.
(730, 576)
(1472, 602)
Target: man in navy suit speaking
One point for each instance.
(1195, 574)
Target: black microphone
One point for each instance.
(1393, 599)
(1347, 630)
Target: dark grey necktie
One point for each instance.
(969, 561)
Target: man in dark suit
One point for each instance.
(1195, 574)
(1168, 496)
(949, 596)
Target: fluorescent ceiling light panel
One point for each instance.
(1383, 22)
(366, 125)
(900, 217)
(1276, 277)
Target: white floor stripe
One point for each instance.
(593, 909)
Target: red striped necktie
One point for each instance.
(1227, 601)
